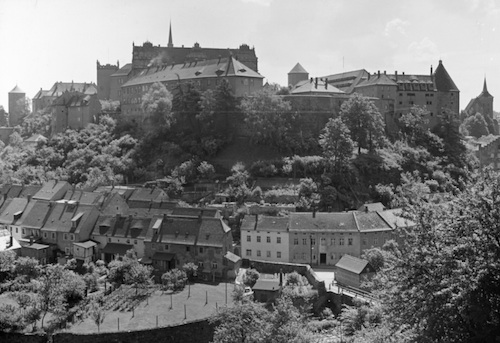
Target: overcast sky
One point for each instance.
(44, 41)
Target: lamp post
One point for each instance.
(312, 248)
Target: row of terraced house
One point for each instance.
(54, 222)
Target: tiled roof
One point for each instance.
(267, 285)
(352, 264)
(163, 256)
(304, 221)
(146, 195)
(72, 99)
(35, 138)
(11, 208)
(120, 226)
(443, 80)
(123, 71)
(212, 231)
(117, 248)
(83, 197)
(232, 257)
(371, 221)
(375, 206)
(124, 191)
(193, 71)
(309, 87)
(195, 211)
(176, 230)
(65, 213)
(265, 223)
(298, 69)
(86, 245)
(35, 214)
(348, 80)
(60, 87)
(382, 80)
(394, 219)
(51, 189)
(40, 94)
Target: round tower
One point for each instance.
(17, 104)
(297, 74)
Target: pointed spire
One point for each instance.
(170, 43)
(485, 89)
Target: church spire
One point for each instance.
(170, 43)
(485, 89)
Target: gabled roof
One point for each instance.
(176, 230)
(123, 71)
(232, 257)
(304, 221)
(442, 79)
(298, 69)
(36, 214)
(122, 226)
(117, 248)
(192, 71)
(141, 197)
(64, 214)
(212, 231)
(346, 81)
(83, 197)
(196, 211)
(310, 87)
(40, 94)
(267, 285)
(12, 210)
(83, 87)
(394, 218)
(353, 264)
(52, 190)
(382, 80)
(86, 245)
(371, 207)
(35, 138)
(73, 99)
(265, 223)
(371, 221)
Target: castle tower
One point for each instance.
(297, 74)
(170, 42)
(104, 73)
(17, 106)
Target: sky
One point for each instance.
(45, 41)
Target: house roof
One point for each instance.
(86, 245)
(267, 285)
(443, 80)
(36, 138)
(352, 264)
(16, 89)
(124, 191)
(163, 256)
(374, 206)
(73, 99)
(50, 190)
(232, 257)
(382, 80)
(310, 87)
(265, 223)
(122, 226)
(395, 219)
(304, 221)
(143, 196)
(193, 71)
(36, 246)
(117, 248)
(83, 197)
(346, 81)
(195, 211)
(12, 210)
(83, 87)
(65, 213)
(298, 69)
(35, 214)
(212, 231)
(371, 221)
(123, 71)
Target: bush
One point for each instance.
(250, 277)
(174, 279)
(190, 269)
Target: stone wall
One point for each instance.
(15, 337)
(191, 332)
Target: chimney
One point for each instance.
(256, 221)
(30, 197)
(312, 80)
(385, 73)
(431, 70)
(316, 83)
(366, 209)
(396, 73)
(326, 83)
(378, 74)
(369, 76)
(11, 242)
(314, 212)
(31, 239)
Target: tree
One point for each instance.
(97, 312)
(190, 269)
(157, 105)
(4, 117)
(138, 275)
(443, 282)
(7, 261)
(364, 122)
(336, 142)
(174, 279)
(475, 125)
(269, 118)
(39, 122)
(250, 277)
(49, 292)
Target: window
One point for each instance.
(313, 241)
(67, 250)
(268, 253)
(188, 249)
(258, 253)
(295, 241)
(249, 252)
(153, 246)
(53, 235)
(45, 235)
(304, 241)
(349, 241)
(278, 254)
(332, 241)
(323, 241)
(128, 241)
(304, 256)
(109, 239)
(258, 239)
(200, 265)
(341, 241)
(201, 250)
(268, 239)
(278, 240)
(166, 246)
(65, 236)
(365, 242)
(218, 251)
(375, 241)
(135, 241)
(249, 239)
(24, 231)
(214, 265)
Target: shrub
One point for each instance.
(174, 279)
(190, 269)
(250, 277)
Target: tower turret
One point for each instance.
(170, 42)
